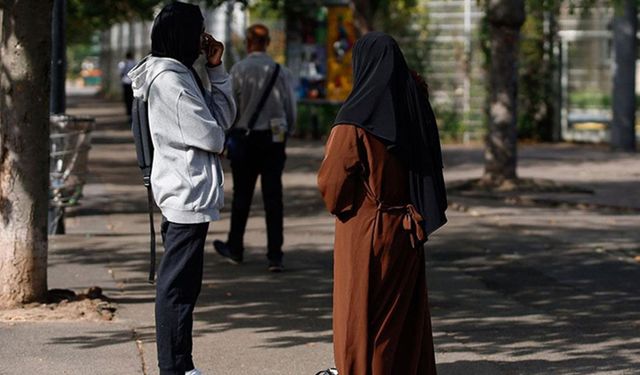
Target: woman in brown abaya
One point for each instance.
(382, 178)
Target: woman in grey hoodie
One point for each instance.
(187, 125)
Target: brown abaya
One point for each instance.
(381, 318)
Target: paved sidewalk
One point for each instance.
(515, 289)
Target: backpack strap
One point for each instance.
(144, 153)
(263, 99)
(152, 237)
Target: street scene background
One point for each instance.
(535, 273)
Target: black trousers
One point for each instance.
(178, 286)
(127, 96)
(264, 158)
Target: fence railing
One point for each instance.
(70, 142)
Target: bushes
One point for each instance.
(319, 116)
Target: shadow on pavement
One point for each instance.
(296, 303)
(530, 304)
(528, 290)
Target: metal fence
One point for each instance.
(454, 72)
(585, 59)
(70, 142)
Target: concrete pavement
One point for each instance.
(516, 288)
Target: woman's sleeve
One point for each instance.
(341, 170)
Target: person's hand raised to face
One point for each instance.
(212, 49)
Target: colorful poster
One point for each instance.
(341, 37)
(313, 60)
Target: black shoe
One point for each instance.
(275, 266)
(224, 250)
(331, 371)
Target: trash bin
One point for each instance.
(69, 145)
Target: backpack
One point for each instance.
(144, 153)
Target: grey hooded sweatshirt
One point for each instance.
(187, 130)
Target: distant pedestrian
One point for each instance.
(187, 125)
(125, 67)
(265, 95)
(382, 178)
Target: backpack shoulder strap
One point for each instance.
(144, 153)
(152, 238)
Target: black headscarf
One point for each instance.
(176, 34)
(387, 102)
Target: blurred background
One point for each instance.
(565, 71)
(536, 271)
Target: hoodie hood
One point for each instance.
(177, 31)
(147, 70)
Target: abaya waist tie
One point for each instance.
(411, 222)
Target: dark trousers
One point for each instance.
(266, 159)
(178, 286)
(127, 96)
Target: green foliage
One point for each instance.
(450, 122)
(537, 67)
(573, 4)
(536, 93)
(85, 17)
(325, 113)
(268, 9)
(485, 50)
(377, 5)
(408, 23)
(589, 100)
(76, 54)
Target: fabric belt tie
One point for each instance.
(411, 222)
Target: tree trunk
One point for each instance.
(505, 18)
(58, 98)
(105, 60)
(554, 84)
(363, 11)
(24, 143)
(625, 27)
(538, 94)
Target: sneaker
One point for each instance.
(195, 371)
(331, 371)
(225, 251)
(275, 266)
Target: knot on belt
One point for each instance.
(411, 221)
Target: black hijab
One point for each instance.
(387, 102)
(176, 34)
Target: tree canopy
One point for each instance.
(86, 17)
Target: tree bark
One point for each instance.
(505, 18)
(363, 12)
(58, 103)
(625, 28)
(25, 50)
(105, 59)
(538, 92)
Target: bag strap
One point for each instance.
(265, 96)
(152, 237)
(144, 148)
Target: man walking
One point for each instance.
(264, 93)
(125, 67)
